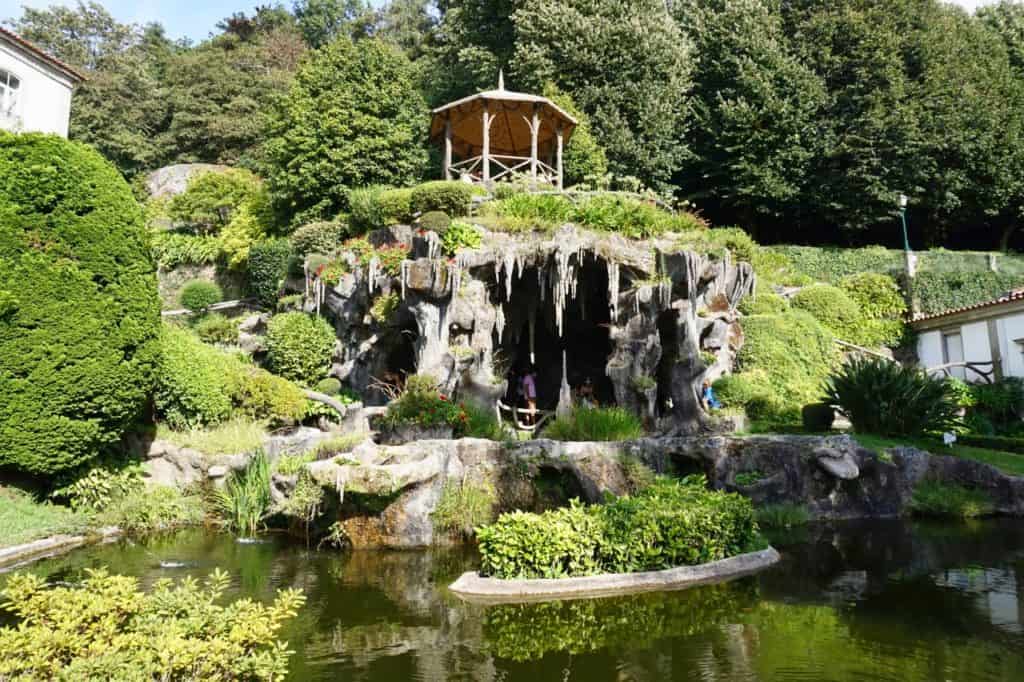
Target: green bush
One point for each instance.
(100, 486)
(1000, 443)
(198, 295)
(548, 208)
(268, 266)
(833, 264)
(258, 394)
(1000, 403)
(622, 215)
(150, 510)
(300, 346)
(671, 523)
(216, 328)
(211, 198)
(319, 237)
(435, 221)
(79, 313)
(764, 303)
(931, 498)
(377, 206)
(107, 629)
(781, 367)
(483, 423)
(596, 424)
(881, 305)
(885, 398)
(817, 417)
(422, 404)
(450, 196)
(171, 249)
(833, 308)
(394, 206)
(329, 386)
(460, 235)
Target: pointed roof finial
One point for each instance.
(501, 79)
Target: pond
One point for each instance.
(879, 601)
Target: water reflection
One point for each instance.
(880, 601)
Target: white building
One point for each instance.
(986, 339)
(35, 88)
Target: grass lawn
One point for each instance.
(1008, 462)
(22, 519)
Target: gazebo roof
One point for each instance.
(510, 131)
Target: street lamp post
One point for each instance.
(903, 219)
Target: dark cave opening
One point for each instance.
(585, 338)
(668, 335)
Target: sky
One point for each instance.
(195, 19)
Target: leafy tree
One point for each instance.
(407, 24)
(626, 64)
(756, 109)
(352, 118)
(79, 314)
(322, 21)
(584, 157)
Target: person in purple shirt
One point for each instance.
(528, 391)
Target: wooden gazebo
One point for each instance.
(498, 133)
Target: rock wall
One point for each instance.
(833, 477)
(659, 318)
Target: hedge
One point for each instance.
(268, 266)
(322, 237)
(671, 523)
(451, 196)
(300, 346)
(937, 292)
(833, 308)
(79, 313)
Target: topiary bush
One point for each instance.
(394, 206)
(764, 303)
(106, 628)
(198, 295)
(300, 346)
(435, 221)
(329, 386)
(79, 313)
(320, 237)
(450, 196)
(885, 398)
(833, 308)
(268, 266)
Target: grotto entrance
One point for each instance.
(584, 339)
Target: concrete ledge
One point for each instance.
(471, 587)
(19, 555)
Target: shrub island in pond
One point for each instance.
(671, 535)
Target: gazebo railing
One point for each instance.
(509, 165)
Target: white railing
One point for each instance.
(509, 165)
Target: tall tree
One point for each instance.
(756, 111)
(408, 24)
(352, 118)
(322, 21)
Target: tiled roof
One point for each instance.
(1009, 297)
(70, 71)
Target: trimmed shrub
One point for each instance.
(394, 207)
(106, 628)
(937, 292)
(833, 308)
(211, 198)
(329, 386)
(888, 399)
(817, 417)
(198, 295)
(596, 424)
(1001, 443)
(216, 328)
(881, 305)
(435, 221)
(268, 266)
(781, 367)
(451, 196)
(670, 523)
(259, 394)
(300, 346)
(833, 264)
(79, 313)
(764, 303)
(322, 237)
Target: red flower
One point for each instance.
(443, 397)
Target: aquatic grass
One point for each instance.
(786, 515)
(931, 498)
(228, 438)
(149, 510)
(464, 506)
(290, 465)
(597, 424)
(245, 498)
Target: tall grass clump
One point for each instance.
(597, 424)
(885, 398)
(785, 515)
(931, 498)
(483, 423)
(464, 506)
(245, 498)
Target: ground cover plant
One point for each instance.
(24, 518)
(950, 501)
(595, 424)
(106, 628)
(669, 523)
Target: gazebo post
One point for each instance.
(534, 132)
(486, 154)
(447, 164)
(558, 155)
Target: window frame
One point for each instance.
(12, 108)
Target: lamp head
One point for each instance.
(903, 202)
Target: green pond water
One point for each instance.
(867, 601)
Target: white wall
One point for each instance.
(44, 99)
(1011, 327)
(976, 343)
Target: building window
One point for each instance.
(953, 351)
(9, 87)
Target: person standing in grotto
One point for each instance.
(707, 397)
(528, 393)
